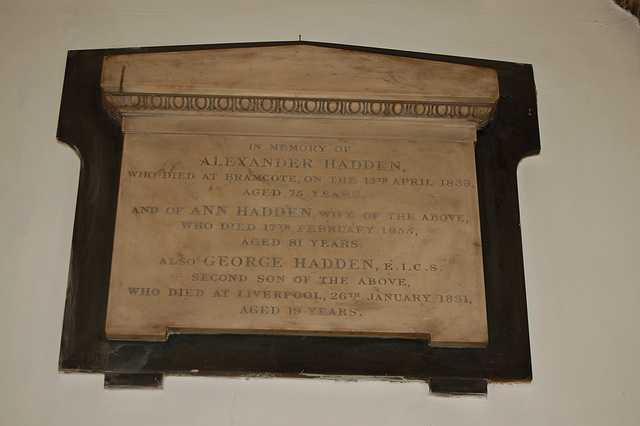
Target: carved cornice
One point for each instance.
(119, 104)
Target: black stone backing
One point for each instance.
(86, 127)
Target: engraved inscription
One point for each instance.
(251, 234)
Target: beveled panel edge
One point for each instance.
(288, 126)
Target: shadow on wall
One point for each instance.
(631, 5)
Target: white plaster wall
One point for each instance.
(579, 201)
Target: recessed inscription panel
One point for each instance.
(307, 235)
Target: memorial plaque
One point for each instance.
(331, 222)
(297, 209)
(297, 234)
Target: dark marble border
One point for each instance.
(85, 125)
